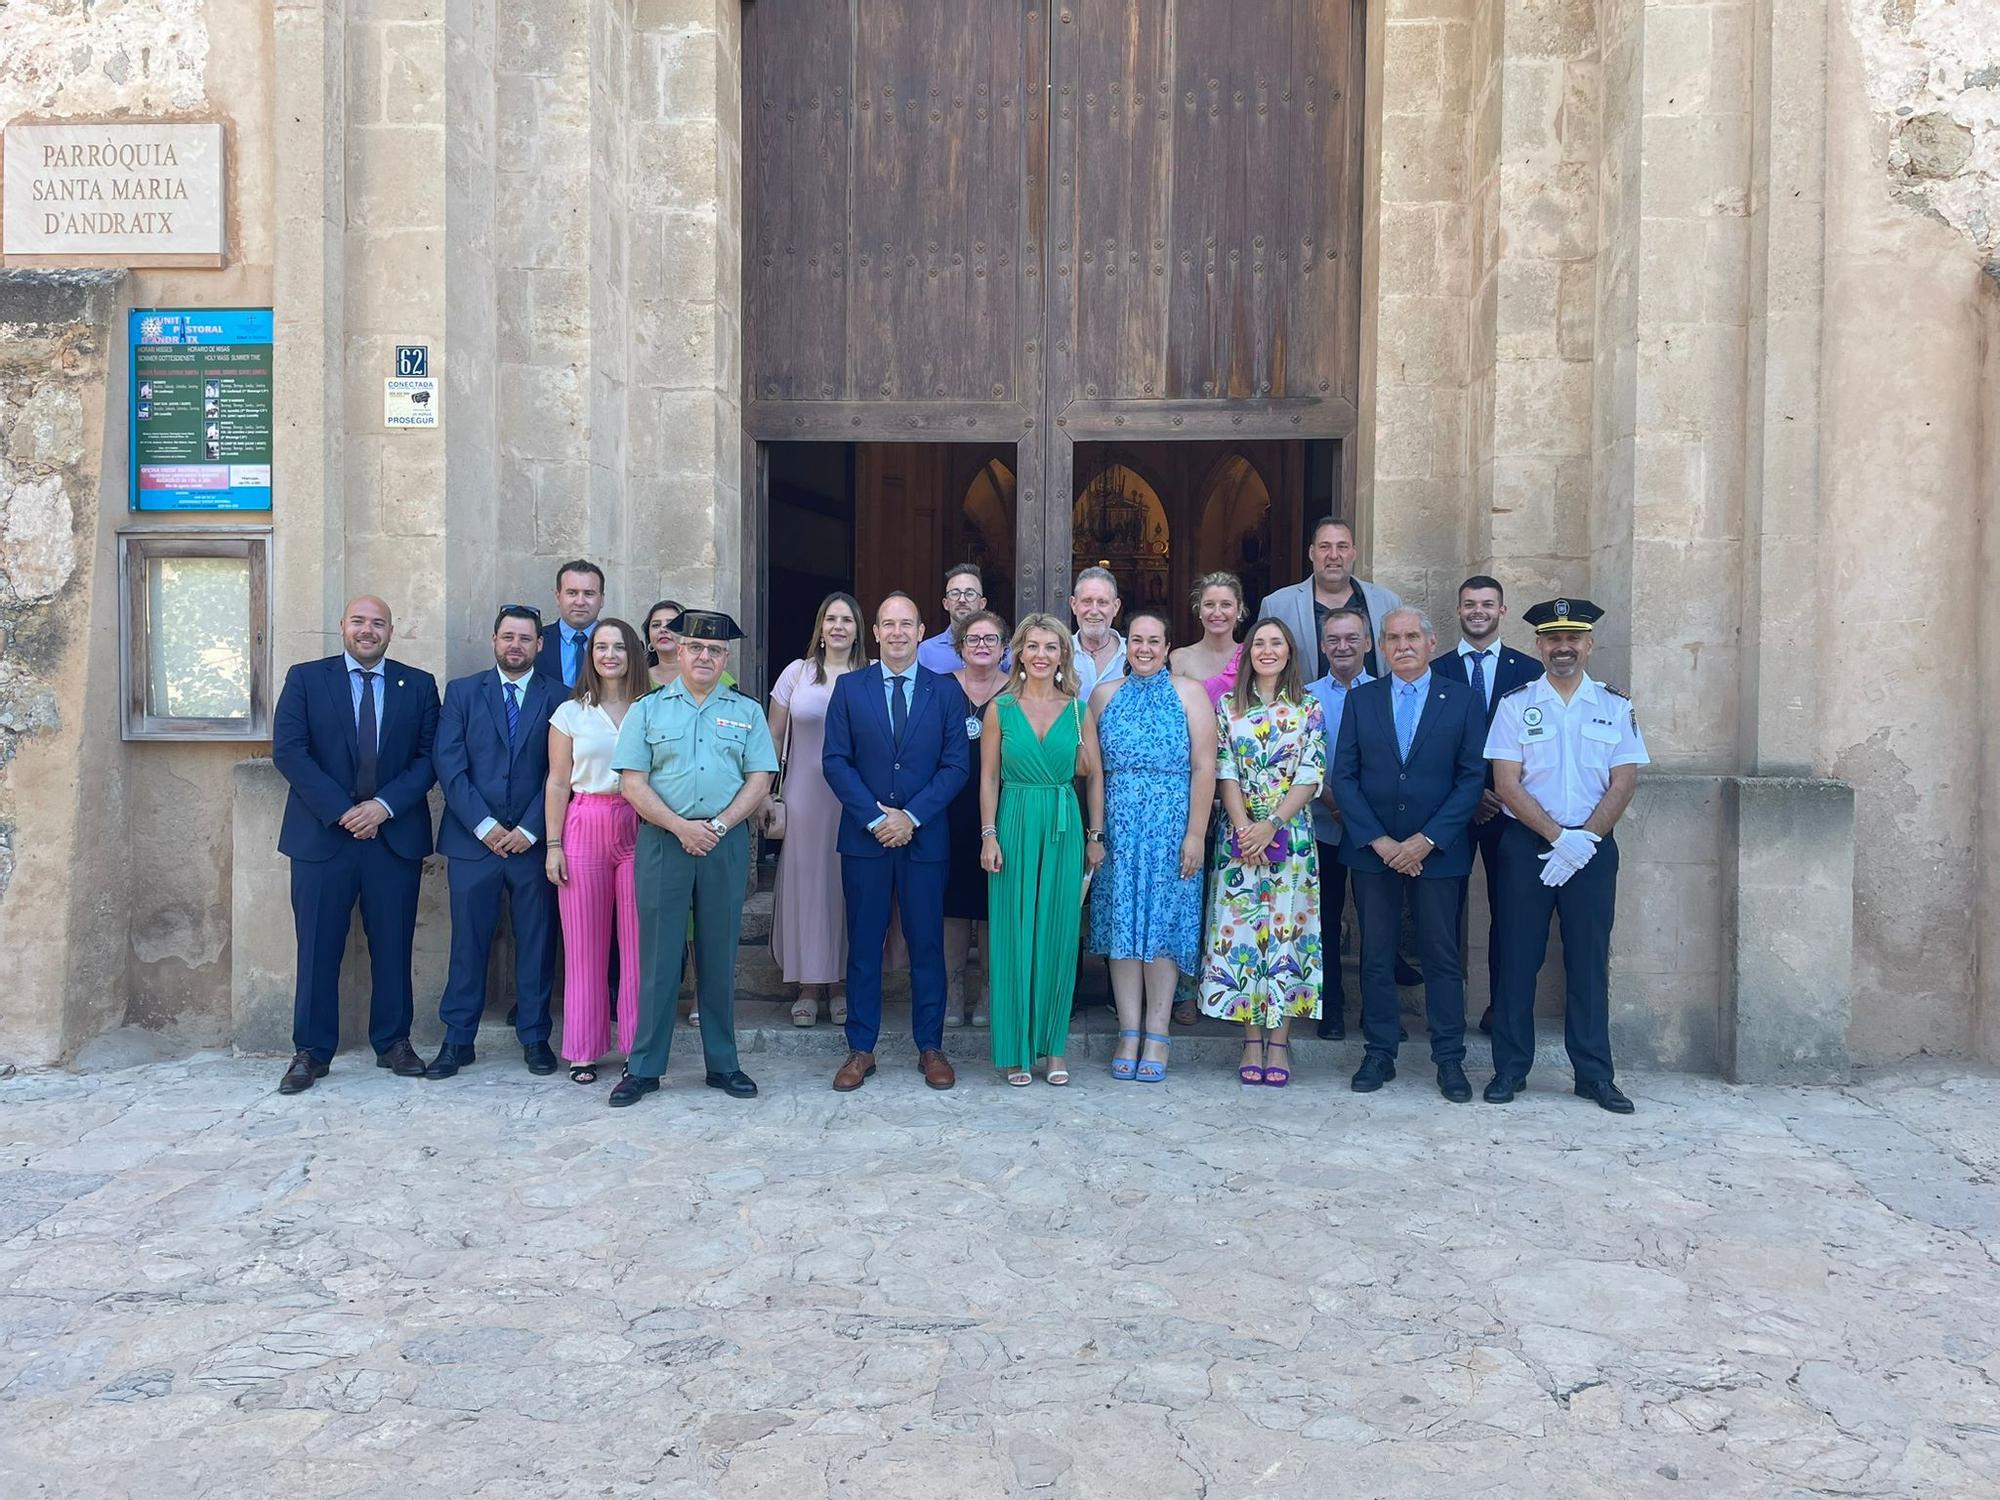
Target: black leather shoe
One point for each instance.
(402, 1060)
(1408, 974)
(1604, 1094)
(1486, 1022)
(631, 1089)
(1375, 1070)
(301, 1074)
(1503, 1089)
(540, 1057)
(1331, 1029)
(449, 1060)
(1453, 1084)
(737, 1085)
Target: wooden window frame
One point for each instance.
(138, 548)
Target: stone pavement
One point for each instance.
(495, 1286)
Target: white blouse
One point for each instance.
(593, 738)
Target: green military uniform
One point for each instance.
(696, 756)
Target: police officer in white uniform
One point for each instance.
(1566, 752)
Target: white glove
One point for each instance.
(1555, 870)
(1574, 847)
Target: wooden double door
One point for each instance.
(1004, 221)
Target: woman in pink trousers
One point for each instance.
(590, 852)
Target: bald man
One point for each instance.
(352, 737)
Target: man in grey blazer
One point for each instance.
(1304, 606)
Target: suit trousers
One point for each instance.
(324, 892)
(1378, 904)
(476, 888)
(1584, 904)
(1486, 842)
(1332, 898)
(671, 883)
(917, 888)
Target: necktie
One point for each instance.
(513, 713)
(1406, 717)
(1479, 676)
(899, 706)
(574, 667)
(365, 737)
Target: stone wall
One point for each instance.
(61, 877)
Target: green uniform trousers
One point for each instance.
(669, 882)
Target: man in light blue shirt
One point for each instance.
(1345, 641)
(964, 597)
(566, 639)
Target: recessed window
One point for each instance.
(195, 607)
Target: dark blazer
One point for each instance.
(549, 660)
(864, 765)
(1515, 669)
(315, 748)
(480, 778)
(1434, 792)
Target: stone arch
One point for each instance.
(1234, 534)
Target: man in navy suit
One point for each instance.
(1493, 671)
(492, 761)
(353, 738)
(896, 753)
(566, 641)
(1407, 770)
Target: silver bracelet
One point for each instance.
(989, 832)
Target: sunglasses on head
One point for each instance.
(522, 609)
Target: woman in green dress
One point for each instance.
(1034, 847)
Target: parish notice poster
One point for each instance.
(201, 409)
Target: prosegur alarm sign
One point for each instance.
(200, 405)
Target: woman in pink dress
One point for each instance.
(808, 912)
(1213, 661)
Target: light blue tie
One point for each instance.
(1407, 704)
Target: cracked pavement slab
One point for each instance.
(495, 1286)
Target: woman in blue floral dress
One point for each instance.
(1157, 736)
(1263, 962)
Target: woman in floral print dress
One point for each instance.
(1262, 965)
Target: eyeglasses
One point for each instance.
(703, 648)
(982, 640)
(961, 593)
(522, 609)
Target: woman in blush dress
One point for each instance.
(1156, 733)
(981, 642)
(808, 915)
(1213, 661)
(589, 856)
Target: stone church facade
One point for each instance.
(1689, 308)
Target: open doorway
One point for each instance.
(1159, 515)
(873, 518)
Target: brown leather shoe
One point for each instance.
(300, 1075)
(937, 1068)
(854, 1072)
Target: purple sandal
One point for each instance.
(1277, 1078)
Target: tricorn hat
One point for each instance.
(707, 625)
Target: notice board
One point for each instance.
(200, 403)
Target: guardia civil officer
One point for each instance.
(694, 759)
(1566, 752)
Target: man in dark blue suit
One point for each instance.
(1407, 770)
(353, 738)
(493, 762)
(896, 753)
(1493, 671)
(566, 641)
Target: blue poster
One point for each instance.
(201, 408)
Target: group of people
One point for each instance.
(1197, 816)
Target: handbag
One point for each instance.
(775, 820)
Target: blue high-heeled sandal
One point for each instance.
(1123, 1068)
(1155, 1070)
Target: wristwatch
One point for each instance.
(1093, 836)
(719, 826)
